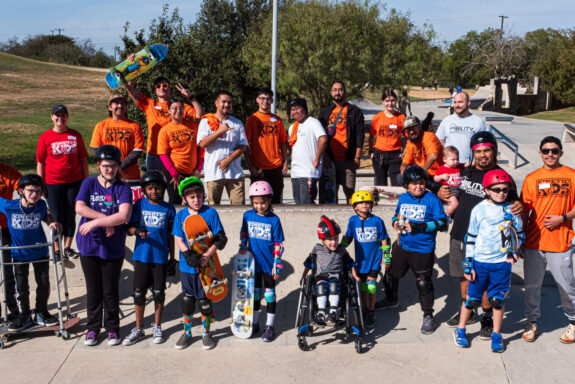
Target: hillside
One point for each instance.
(28, 91)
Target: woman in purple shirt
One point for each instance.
(105, 204)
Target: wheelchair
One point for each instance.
(349, 310)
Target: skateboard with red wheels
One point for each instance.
(62, 332)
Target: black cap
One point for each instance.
(298, 102)
(59, 108)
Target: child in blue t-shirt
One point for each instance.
(418, 217)
(152, 221)
(371, 239)
(191, 190)
(263, 235)
(25, 216)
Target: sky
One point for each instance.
(102, 21)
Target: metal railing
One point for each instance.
(511, 144)
(568, 134)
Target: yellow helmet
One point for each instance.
(361, 196)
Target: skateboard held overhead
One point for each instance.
(144, 60)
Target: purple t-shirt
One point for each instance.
(106, 201)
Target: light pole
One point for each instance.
(274, 51)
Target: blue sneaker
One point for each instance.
(496, 342)
(460, 338)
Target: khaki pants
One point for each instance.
(234, 187)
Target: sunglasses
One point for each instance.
(554, 151)
(162, 85)
(499, 190)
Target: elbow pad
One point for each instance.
(418, 227)
(220, 240)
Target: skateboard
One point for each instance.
(385, 195)
(211, 275)
(243, 295)
(327, 183)
(144, 60)
(71, 321)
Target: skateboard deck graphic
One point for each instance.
(243, 295)
(144, 60)
(211, 275)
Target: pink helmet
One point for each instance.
(260, 188)
(496, 176)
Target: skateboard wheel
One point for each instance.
(65, 335)
(57, 333)
(248, 323)
(501, 227)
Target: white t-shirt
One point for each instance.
(457, 131)
(305, 149)
(222, 148)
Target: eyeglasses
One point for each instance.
(499, 190)
(554, 151)
(162, 85)
(268, 99)
(108, 167)
(33, 191)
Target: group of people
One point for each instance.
(457, 166)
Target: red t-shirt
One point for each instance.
(454, 175)
(61, 154)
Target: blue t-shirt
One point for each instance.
(25, 226)
(419, 210)
(263, 232)
(214, 224)
(368, 235)
(156, 219)
(107, 201)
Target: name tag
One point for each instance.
(273, 119)
(157, 107)
(393, 126)
(544, 186)
(72, 138)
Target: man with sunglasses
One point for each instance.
(157, 115)
(548, 196)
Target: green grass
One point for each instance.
(565, 115)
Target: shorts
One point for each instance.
(149, 275)
(345, 175)
(192, 285)
(373, 274)
(421, 264)
(495, 278)
(456, 257)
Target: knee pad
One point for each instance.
(257, 294)
(188, 304)
(473, 303)
(270, 295)
(371, 287)
(322, 288)
(424, 285)
(334, 286)
(140, 297)
(496, 302)
(363, 287)
(159, 296)
(205, 307)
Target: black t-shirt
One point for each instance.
(471, 193)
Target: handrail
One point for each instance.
(568, 133)
(510, 143)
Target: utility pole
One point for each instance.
(502, 18)
(59, 31)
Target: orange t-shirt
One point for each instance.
(124, 134)
(157, 115)
(548, 192)
(265, 133)
(179, 142)
(338, 142)
(417, 153)
(9, 178)
(387, 131)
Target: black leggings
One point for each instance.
(61, 200)
(386, 164)
(9, 275)
(173, 192)
(41, 274)
(263, 281)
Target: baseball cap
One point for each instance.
(116, 97)
(59, 108)
(411, 121)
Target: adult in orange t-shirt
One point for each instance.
(9, 178)
(178, 150)
(157, 115)
(422, 148)
(123, 133)
(548, 195)
(385, 140)
(267, 154)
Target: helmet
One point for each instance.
(360, 197)
(260, 188)
(483, 138)
(458, 89)
(189, 181)
(109, 152)
(327, 228)
(30, 179)
(153, 177)
(413, 173)
(496, 176)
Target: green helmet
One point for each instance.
(189, 181)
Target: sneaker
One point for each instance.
(135, 335)
(370, 320)
(331, 319)
(46, 319)
(496, 342)
(386, 304)
(158, 334)
(530, 332)
(20, 323)
(58, 256)
(454, 321)
(113, 338)
(460, 338)
(486, 328)
(319, 320)
(91, 338)
(183, 341)
(568, 337)
(428, 326)
(268, 334)
(69, 253)
(208, 342)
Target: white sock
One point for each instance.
(321, 302)
(270, 319)
(333, 301)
